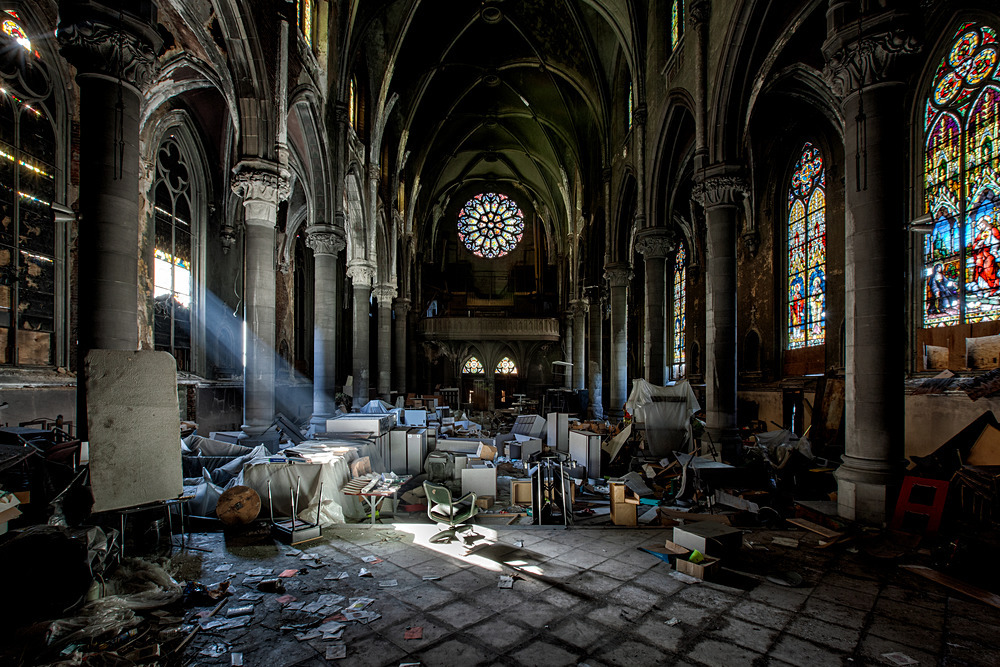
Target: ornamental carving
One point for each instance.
(699, 11)
(384, 294)
(656, 244)
(260, 181)
(618, 276)
(325, 243)
(361, 273)
(579, 307)
(402, 305)
(96, 48)
(721, 191)
(867, 61)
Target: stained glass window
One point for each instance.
(305, 19)
(962, 182)
(473, 366)
(490, 225)
(630, 106)
(352, 102)
(676, 23)
(680, 296)
(807, 251)
(13, 29)
(506, 367)
(172, 281)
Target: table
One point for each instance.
(377, 494)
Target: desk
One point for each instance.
(374, 496)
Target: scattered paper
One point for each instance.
(286, 599)
(311, 634)
(672, 622)
(330, 599)
(362, 616)
(357, 604)
(293, 552)
(372, 560)
(334, 577)
(519, 544)
(215, 651)
(236, 659)
(313, 607)
(252, 581)
(387, 583)
(416, 632)
(431, 577)
(251, 597)
(308, 556)
(684, 578)
(225, 567)
(288, 573)
(260, 572)
(505, 581)
(296, 606)
(785, 542)
(899, 659)
(336, 652)
(364, 573)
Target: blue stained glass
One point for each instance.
(490, 225)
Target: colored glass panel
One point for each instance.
(490, 225)
(807, 251)
(630, 101)
(352, 102)
(506, 367)
(679, 312)
(13, 30)
(962, 182)
(473, 366)
(676, 23)
(306, 20)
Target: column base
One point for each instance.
(865, 494)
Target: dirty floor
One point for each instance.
(581, 596)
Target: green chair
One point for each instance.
(441, 508)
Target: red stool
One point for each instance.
(932, 511)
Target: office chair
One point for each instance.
(441, 508)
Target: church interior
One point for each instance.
(686, 311)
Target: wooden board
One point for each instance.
(815, 528)
(695, 516)
(986, 597)
(238, 506)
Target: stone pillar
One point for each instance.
(568, 343)
(326, 244)
(722, 196)
(115, 60)
(595, 378)
(872, 99)
(384, 294)
(402, 320)
(619, 276)
(655, 244)
(262, 185)
(579, 308)
(361, 273)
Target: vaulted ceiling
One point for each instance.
(514, 94)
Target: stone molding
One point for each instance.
(639, 114)
(261, 185)
(361, 273)
(721, 191)
(655, 243)
(489, 328)
(324, 242)
(402, 305)
(867, 61)
(384, 294)
(97, 48)
(618, 275)
(699, 11)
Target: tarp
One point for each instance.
(780, 444)
(665, 414)
(377, 407)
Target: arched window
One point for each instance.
(28, 283)
(490, 225)
(962, 182)
(352, 102)
(807, 251)
(473, 366)
(676, 23)
(172, 259)
(631, 106)
(679, 311)
(305, 19)
(506, 367)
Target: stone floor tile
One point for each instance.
(615, 616)
(820, 632)
(411, 556)
(634, 597)
(715, 653)
(576, 631)
(467, 581)
(613, 567)
(581, 558)
(687, 613)
(632, 653)
(706, 597)
(549, 548)
(428, 595)
(918, 598)
(502, 636)
(872, 649)
(604, 547)
(741, 633)
(866, 586)
(432, 632)
(923, 638)
(371, 651)
(845, 596)
(908, 613)
(800, 652)
(834, 613)
(654, 630)
(593, 584)
(761, 614)
(457, 651)
(659, 580)
(779, 596)
(460, 614)
(544, 654)
(534, 613)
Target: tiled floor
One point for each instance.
(589, 596)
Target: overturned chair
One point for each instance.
(441, 508)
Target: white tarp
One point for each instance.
(664, 413)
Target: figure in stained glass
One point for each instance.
(807, 250)
(680, 296)
(490, 225)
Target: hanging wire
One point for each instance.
(861, 120)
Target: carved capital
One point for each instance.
(579, 307)
(384, 294)
(324, 241)
(98, 48)
(260, 181)
(867, 61)
(699, 11)
(721, 191)
(655, 243)
(402, 305)
(361, 273)
(639, 115)
(618, 275)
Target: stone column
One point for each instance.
(568, 341)
(115, 61)
(361, 273)
(595, 378)
(619, 276)
(384, 294)
(861, 74)
(722, 196)
(402, 320)
(655, 244)
(579, 308)
(262, 185)
(326, 244)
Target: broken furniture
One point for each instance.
(374, 490)
(664, 415)
(292, 531)
(443, 509)
(907, 505)
(550, 492)
(709, 537)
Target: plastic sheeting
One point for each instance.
(329, 465)
(377, 407)
(780, 444)
(665, 414)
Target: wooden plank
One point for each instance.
(695, 516)
(816, 528)
(951, 582)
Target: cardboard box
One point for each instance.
(520, 491)
(485, 502)
(706, 569)
(709, 537)
(623, 514)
